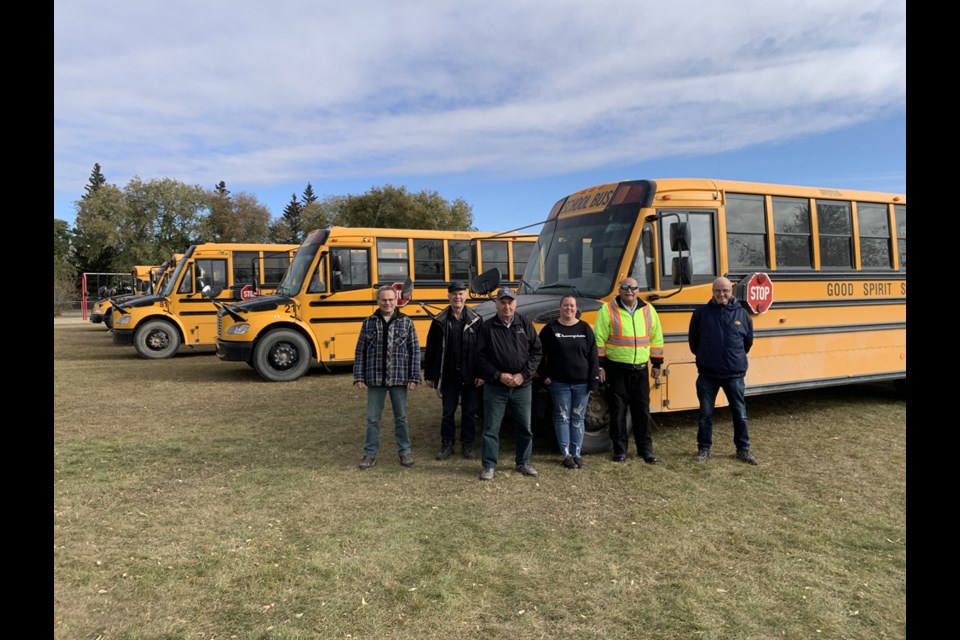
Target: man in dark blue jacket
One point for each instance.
(720, 336)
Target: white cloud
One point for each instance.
(273, 92)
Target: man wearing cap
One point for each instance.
(450, 366)
(629, 338)
(508, 354)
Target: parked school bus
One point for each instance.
(331, 286)
(179, 314)
(149, 280)
(823, 271)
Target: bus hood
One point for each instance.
(261, 303)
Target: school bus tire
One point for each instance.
(282, 355)
(596, 426)
(157, 339)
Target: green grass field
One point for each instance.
(192, 500)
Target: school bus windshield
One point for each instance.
(175, 276)
(580, 253)
(297, 273)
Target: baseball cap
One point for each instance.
(457, 285)
(506, 292)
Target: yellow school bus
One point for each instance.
(331, 286)
(822, 271)
(147, 281)
(178, 314)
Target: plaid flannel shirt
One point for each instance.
(388, 353)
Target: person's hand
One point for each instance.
(547, 381)
(603, 376)
(518, 379)
(411, 386)
(360, 384)
(656, 375)
(478, 382)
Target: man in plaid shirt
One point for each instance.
(387, 360)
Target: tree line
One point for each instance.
(147, 221)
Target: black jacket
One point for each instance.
(436, 352)
(720, 338)
(513, 349)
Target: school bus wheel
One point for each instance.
(156, 339)
(282, 355)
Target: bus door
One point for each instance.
(344, 297)
(686, 246)
(199, 315)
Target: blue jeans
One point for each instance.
(498, 400)
(376, 396)
(464, 395)
(707, 389)
(569, 409)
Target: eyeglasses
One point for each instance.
(629, 287)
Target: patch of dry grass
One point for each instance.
(192, 500)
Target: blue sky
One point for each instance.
(508, 105)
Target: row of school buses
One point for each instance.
(823, 270)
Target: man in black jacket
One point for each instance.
(720, 336)
(450, 368)
(508, 354)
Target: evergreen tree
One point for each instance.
(308, 197)
(96, 181)
(291, 220)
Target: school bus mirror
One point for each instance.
(335, 263)
(486, 282)
(681, 271)
(406, 291)
(336, 281)
(211, 292)
(679, 236)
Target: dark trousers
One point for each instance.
(465, 396)
(629, 389)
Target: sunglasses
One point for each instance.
(629, 287)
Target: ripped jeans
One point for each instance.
(569, 408)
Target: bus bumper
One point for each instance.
(122, 336)
(234, 351)
(96, 318)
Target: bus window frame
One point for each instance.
(665, 255)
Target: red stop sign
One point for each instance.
(247, 292)
(758, 292)
(398, 287)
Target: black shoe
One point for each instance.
(577, 460)
(406, 460)
(568, 462)
(446, 450)
(366, 462)
(650, 459)
(620, 458)
(702, 455)
(744, 455)
(468, 453)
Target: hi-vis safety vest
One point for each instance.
(630, 339)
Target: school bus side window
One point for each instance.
(746, 232)
(274, 268)
(186, 280)
(900, 213)
(521, 255)
(213, 272)
(317, 284)
(494, 254)
(392, 258)
(427, 260)
(874, 235)
(243, 266)
(835, 228)
(459, 251)
(354, 269)
(791, 228)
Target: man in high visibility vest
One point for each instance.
(629, 339)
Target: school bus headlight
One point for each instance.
(123, 320)
(238, 329)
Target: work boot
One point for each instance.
(702, 455)
(744, 455)
(446, 450)
(468, 451)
